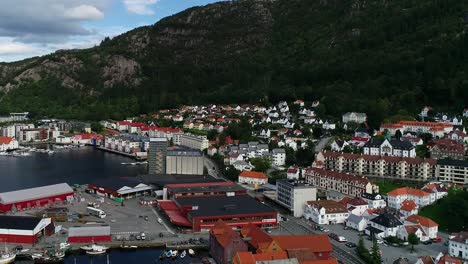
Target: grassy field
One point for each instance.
(385, 187)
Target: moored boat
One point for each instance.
(174, 254)
(7, 257)
(169, 253)
(191, 252)
(183, 254)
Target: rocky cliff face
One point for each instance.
(197, 35)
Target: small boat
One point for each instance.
(191, 252)
(94, 249)
(169, 253)
(7, 257)
(64, 246)
(183, 254)
(174, 254)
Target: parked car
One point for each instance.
(350, 244)
(380, 241)
(341, 239)
(325, 230)
(146, 218)
(437, 240)
(427, 242)
(143, 236)
(138, 237)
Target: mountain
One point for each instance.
(378, 56)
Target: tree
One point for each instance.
(413, 239)
(398, 134)
(422, 151)
(261, 164)
(375, 256)
(317, 132)
(426, 137)
(290, 156)
(96, 127)
(231, 173)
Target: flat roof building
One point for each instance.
(35, 197)
(89, 234)
(223, 188)
(184, 161)
(293, 194)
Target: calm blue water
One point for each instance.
(79, 165)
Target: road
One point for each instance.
(209, 164)
(320, 145)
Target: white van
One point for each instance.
(143, 236)
(342, 239)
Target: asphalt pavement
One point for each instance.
(320, 145)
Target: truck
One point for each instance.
(96, 212)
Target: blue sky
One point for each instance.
(38, 27)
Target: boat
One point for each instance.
(7, 257)
(96, 251)
(64, 246)
(169, 253)
(183, 254)
(191, 252)
(128, 247)
(174, 254)
(94, 247)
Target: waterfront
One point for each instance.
(73, 166)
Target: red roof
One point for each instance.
(174, 214)
(124, 123)
(253, 174)
(169, 130)
(408, 205)
(316, 243)
(424, 221)
(407, 191)
(199, 184)
(5, 140)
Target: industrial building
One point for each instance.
(119, 189)
(201, 213)
(223, 188)
(24, 229)
(157, 156)
(89, 234)
(184, 161)
(35, 197)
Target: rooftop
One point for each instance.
(296, 184)
(35, 193)
(18, 222)
(185, 152)
(224, 205)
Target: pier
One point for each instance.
(133, 156)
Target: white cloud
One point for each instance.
(140, 7)
(8, 46)
(84, 12)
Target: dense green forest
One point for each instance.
(379, 57)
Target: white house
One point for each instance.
(404, 232)
(339, 145)
(458, 245)
(63, 139)
(429, 227)
(356, 222)
(397, 196)
(329, 125)
(265, 133)
(355, 205)
(293, 173)
(241, 165)
(354, 117)
(326, 212)
(8, 143)
(384, 225)
(374, 200)
(253, 177)
(408, 207)
(384, 147)
(279, 157)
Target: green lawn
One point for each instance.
(385, 187)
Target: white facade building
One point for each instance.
(458, 245)
(253, 177)
(279, 157)
(354, 117)
(294, 194)
(326, 212)
(374, 200)
(194, 141)
(8, 143)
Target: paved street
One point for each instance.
(209, 164)
(321, 144)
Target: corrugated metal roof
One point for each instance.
(89, 231)
(35, 193)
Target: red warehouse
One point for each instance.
(201, 213)
(35, 197)
(89, 234)
(22, 229)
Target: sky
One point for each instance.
(37, 27)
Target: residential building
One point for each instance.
(294, 194)
(454, 171)
(446, 148)
(293, 173)
(194, 141)
(384, 225)
(394, 147)
(375, 200)
(324, 212)
(396, 197)
(33, 134)
(14, 117)
(338, 145)
(157, 156)
(377, 166)
(253, 177)
(279, 157)
(212, 151)
(458, 245)
(458, 136)
(318, 245)
(408, 207)
(344, 183)
(437, 189)
(355, 205)
(184, 161)
(225, 243)
(429, 227)
(8, 143)
(354, 117)
(436, 129)
(357, 222)
(406, 230)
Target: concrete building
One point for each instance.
(279, 156)
(187, 161)
(454, 171)
(294, 194)
(194, 141)
(326, 212)
(253, 177)
(157, 156)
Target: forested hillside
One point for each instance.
(380, 57)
